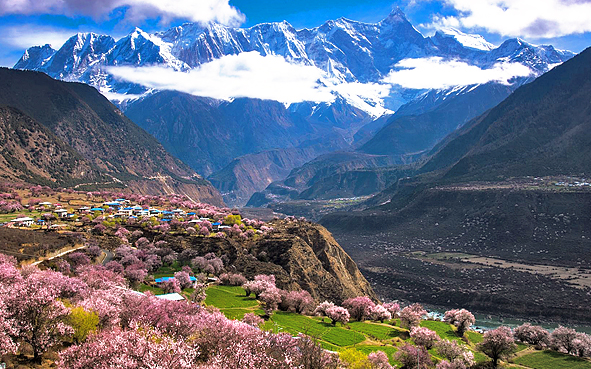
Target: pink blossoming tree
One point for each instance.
(461, 318)
(497, 343)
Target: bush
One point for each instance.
(83, 323)
(424, 337)
(338, 314)
(411, 315)
(409, 355)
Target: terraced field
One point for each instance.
(368, 336)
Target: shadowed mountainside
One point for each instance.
(86, 121)
(31, 153)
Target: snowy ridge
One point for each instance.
(475, 42)
(349, 52)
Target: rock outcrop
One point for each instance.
(301, 255)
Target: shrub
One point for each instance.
(338, 314)
(410, 356)
(321, 309)
(230, 279)
(253, 320)
(379, 313)
(534, 335)
(354, 359)
(393, 308)
(457, 357)
(411, 315)
(296, 301)
(83, 322)
(562, 339)
(582, 345)
(379, 360)
(171, 286)
(184, 279)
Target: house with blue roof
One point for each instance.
(164, 279)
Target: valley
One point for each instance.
(192, 187)
(519, 248)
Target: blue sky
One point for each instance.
(23, 23)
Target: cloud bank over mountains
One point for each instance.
(438, 73)
(243, 75)
(271, 77)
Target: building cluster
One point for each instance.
(119, 208)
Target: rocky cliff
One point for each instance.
(301, 255)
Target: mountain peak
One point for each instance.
(34, 57)
(137, 32)
(396, 15)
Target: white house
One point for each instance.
(61, 213)
(178, 213)
(23, 222)
(171, 296)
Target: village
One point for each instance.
(54, 216)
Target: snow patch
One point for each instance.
(470, 41)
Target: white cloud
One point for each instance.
(368, 97)
(243, 75)
(435, 72)
(195, 10)
(27, 35)
(521, 18)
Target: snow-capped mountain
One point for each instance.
(346, 50)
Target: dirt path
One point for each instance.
(58, 255)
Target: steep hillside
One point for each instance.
(406, 137)
(544, 128)
(208, 135)
(245, 144)
(418, 126)
(29, 152)
(91, 125)
(301, 255)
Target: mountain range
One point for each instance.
(210, 135)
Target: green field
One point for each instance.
(552, 360)
(225, 297)
(167, 271)
(474, 337)
(371, 336)
(375, 331)
(154, 290)
(443, 330)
